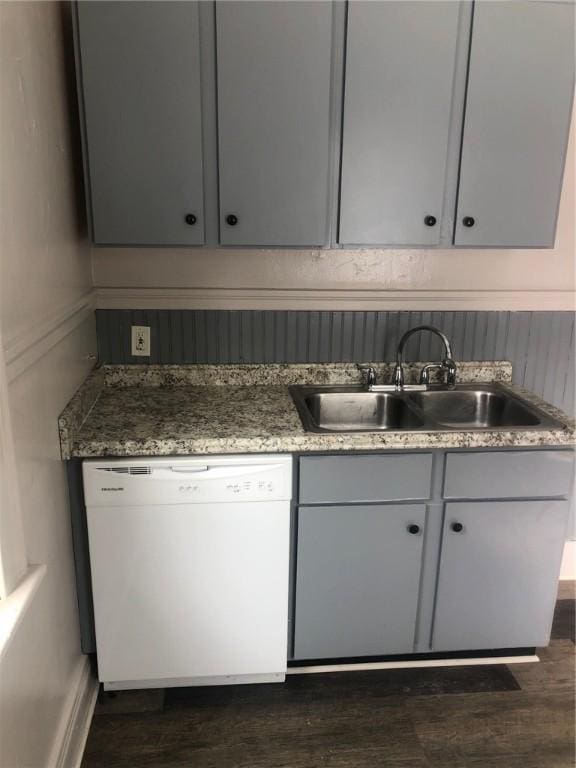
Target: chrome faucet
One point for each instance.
(447, 364)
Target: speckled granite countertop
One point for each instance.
(201, 409)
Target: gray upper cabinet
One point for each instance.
(250, 122)
(140, 74)
(498, 576)
(358, 576)
(520, 87)
(400, 68)
(274, 79)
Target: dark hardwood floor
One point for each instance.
(520, 716)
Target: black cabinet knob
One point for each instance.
(468, 221)
(190, 219)
(457, 527)
(413, 528)
(430, 221)
(231, 220)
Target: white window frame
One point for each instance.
(13, 561)
(19, 581)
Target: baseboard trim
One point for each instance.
(568, 567)
(319, 299)
(420, 664)
(71, 737)
(26, 347)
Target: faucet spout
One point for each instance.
(447, 363)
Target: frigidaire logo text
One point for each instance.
(112, 489)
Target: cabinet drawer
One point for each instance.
(342, 479)
(509, 474)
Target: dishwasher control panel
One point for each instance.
(122, 482)
(264, 487)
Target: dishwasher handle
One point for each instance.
(218, 471)
(190, 470)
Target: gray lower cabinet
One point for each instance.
(520, 88)
(400, 68)
(139, 68)
(398, 552)
(357, 584)
(499, 568)
(274, 77)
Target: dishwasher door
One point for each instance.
(190, 594)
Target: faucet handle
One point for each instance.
(399, 376)
(450, 368)
(425, 372)
(447, 365)
(369, 374)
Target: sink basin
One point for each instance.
(355, 411)
(474, 409)
(466, 407)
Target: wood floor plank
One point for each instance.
(527, 729)
(373, 685)
(564, 624)
(347, 735)
(130, 702)
(554, 672)
(566, 590)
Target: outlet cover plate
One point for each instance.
(141, 341)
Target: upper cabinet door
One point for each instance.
(140, 72)
(520, 88)
(400, 66)
(274, 75)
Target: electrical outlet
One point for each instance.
(141, 340)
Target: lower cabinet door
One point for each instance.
(498, 575)
(357, 583)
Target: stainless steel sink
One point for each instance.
(358, 411)
(474, 409)
(465, 407)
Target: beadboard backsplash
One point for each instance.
(540, 345)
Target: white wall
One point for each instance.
(489, 279)
(47, 331)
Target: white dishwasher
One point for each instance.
(189, 561)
